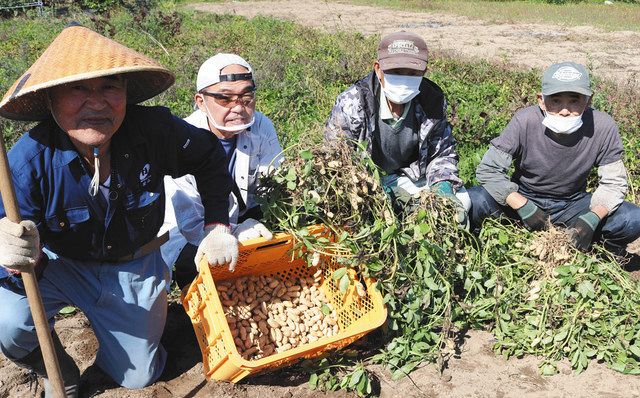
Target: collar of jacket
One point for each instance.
(431, 97)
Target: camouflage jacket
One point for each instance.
(355, 116)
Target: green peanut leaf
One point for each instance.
(68, 310)
(306, 154)
(344, 283)
(355, 377)
(291, 175)
(339, 273)
(364, 387)
(635, 350)
(586, 289)
(313, 381)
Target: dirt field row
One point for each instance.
(611, 55)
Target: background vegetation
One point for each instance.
(299, 72)
(619, 15)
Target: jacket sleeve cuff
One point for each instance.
(492, 174)
(612, 187)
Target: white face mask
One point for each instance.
(401, 89)
(236, 128)
(562, 124)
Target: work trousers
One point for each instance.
(126, 304)
(616, 230)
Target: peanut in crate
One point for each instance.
(268, 315)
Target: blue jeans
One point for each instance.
(126, 304)
(616, 230)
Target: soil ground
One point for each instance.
(610, 55)
(475, 371)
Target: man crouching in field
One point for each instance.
(555, 144)
(226, 101)
(89, 185)
(401, 116)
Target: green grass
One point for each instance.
(300, 72)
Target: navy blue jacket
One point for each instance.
(52, 181)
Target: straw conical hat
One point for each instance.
(77, 54)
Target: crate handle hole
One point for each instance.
(269, 245)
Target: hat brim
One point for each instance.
(556, 90)
(143, 82)
(406, 63)
(78, 54)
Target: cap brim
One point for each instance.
(390, 63)
(556, 90)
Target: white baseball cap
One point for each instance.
(209, 72)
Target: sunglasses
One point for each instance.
(230, 100)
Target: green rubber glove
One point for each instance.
(445, 189)
(583, 230)
(533, 217)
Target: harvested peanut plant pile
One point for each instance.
(416, 255)
(547, 299)
(535, 292)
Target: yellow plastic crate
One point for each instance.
(356, 315)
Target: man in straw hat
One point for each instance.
(89, 185)
(226, 101)
(554, 145)
(401, 116)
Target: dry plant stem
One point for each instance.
(447, 327)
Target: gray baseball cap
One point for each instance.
(566, 77)
(402, 50)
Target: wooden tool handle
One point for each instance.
(31, 283)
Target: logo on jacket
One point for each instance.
(145, 174)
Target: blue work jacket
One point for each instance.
(52, 181)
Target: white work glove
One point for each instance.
(19, 244)
(634, 247)
(219, 247)
(251, 229)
